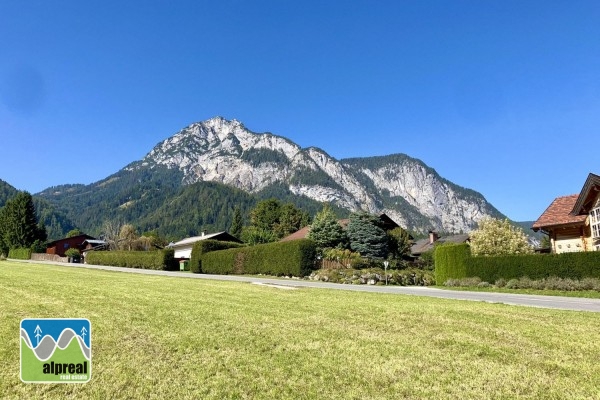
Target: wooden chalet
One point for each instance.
(59, 246)
(573, 222)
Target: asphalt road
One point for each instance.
(556, 302)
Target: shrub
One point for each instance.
(512, 284)
(205, 246)
(500, 282)
(158, 260)
(20, 253)
(375, 276)
(293, 258)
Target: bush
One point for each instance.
(205, 246)
(20, 254)
(293, 258)
(375, 276)
(157, 260)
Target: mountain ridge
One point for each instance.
(226, 154)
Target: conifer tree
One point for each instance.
(18, 224)
(237, 224)
(325, 230)
(366, 236)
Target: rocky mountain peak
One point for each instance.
(409, 191)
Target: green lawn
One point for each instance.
(588, 294)
(160, 337)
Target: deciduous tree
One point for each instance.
(497, 237)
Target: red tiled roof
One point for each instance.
(558, 213)
(301, 234)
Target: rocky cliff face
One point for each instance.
(405, 188)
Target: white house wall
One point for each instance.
(183, 252)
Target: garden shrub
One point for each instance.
(157, 260)
(293, 258)
(205, 246)
(404, 277)
(20, 253)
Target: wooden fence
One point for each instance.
(336, 264)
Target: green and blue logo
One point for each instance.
(56, 350)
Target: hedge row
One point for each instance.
(536, 266)
(450, 262)
(20, 254)
(456, 262)
(159, 259)
(293, 258)
(205, 246)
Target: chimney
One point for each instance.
(433, 236)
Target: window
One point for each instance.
(595, 222)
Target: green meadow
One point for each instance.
(159, 337)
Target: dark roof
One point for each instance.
(585, 201)
(559, 213)
(424, 245)
(81, 237)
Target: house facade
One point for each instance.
(183, 248)
(573, 222)
(59, 247)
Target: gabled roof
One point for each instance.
(423, 245)
(587, 196)
(223, 236)
(81, 237)
(559, 213)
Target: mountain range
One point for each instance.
(192, 181)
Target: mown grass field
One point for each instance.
(159, 337)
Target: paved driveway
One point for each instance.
(563, 303)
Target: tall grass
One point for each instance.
(161, 337)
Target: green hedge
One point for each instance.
(456, 262)
(536, 266)
(451, 261)
(205, 246)
(20, 254)
(293, 258)
(159, 259)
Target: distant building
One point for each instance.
(183, 248)
(386, 223)
(424, 245)
(59, 246)
(573, 222)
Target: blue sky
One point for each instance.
(502, 97)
